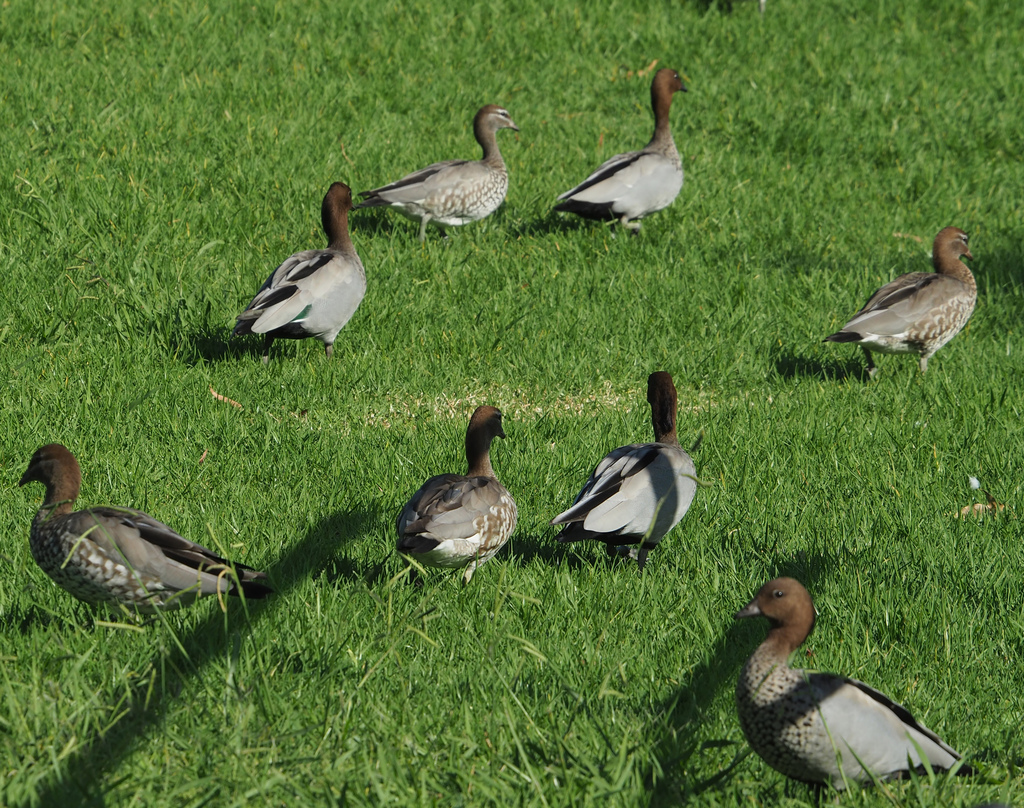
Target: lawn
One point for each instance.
(159, 161)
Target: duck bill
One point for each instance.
(750, 610)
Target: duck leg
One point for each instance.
(423, 226)
(633, 227)
(871, 363)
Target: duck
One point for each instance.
(453, 192)
(823, 728)
(919, 312)
(639, 492)
(314, 293)
(119, 555)
(461, 520)
(632, 185)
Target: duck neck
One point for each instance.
(334, 218)
(776, 649)
(784, 638)
(662, 105)
(663, 418)
(59, 500)
(488, 140)
(948, 263)
(478, 455)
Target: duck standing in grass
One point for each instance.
(637, 493)
(630, 186)
(314, 292)
(119, 555)
(919, 312)
(457, 520)
(452, 192)
(820, 727)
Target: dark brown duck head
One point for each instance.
(666, 83)
(334, 216)
(56, 468)
(788, 607)
(484, 427)
(661, 395)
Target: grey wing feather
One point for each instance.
(903, 714)
(320, 289)
(604, 172)
(883, 735)
(607, 478)
(632, 185)
(277, 302)
(411, 188)
(155, 550)
(640, 491)
(898, 304)
(445, 507)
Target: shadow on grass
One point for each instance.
(576, 555)
(212, 344)
(81, 779)
(215, 344)
(552, 224)
(790, 364)
(682, 714)
(520, 549)
(31, 620)
(543, 547)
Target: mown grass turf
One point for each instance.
(160, 160)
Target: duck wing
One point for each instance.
(636, 491)
(874, 733)
(411, 189)
(159, 555)
(902, 303)
(449, 506)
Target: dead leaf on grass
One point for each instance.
(219, 397)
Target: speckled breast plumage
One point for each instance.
(946, 323)
(496, 526)
(471, 200)
(87, 571)
(781, 720)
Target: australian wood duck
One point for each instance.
(452, 192)
(919, 312)
(456, 520)
(630, 186)
(120, 555)
(314, 292)
(637, 493)
(821, 727)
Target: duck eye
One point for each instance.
(778, 593)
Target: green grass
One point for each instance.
(159, 160)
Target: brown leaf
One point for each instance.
(219, 397)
